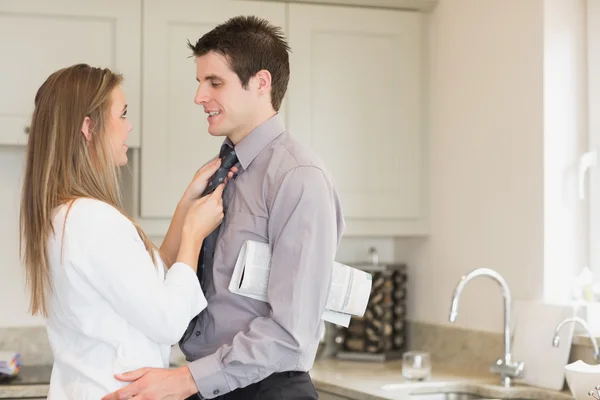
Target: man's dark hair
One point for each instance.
(250, 44)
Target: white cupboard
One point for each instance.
(356, 93)
(415, 5)
(176, 141)
(40, 36)
(356, 97)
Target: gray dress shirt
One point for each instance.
(283, 195)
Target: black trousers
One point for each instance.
(292, 385)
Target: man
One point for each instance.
(282, 195)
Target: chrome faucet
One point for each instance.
(556, 338)
(505, 366)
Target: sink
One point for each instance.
(461, 391)
(445, 396)
(581, 378)
(453, 396)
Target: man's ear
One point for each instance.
(86, 129)
(263, 78)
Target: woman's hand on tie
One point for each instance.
(203, 216)
(202, 177)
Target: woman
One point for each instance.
(90, 269)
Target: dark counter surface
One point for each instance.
(30, 375)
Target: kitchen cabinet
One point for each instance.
(39, 37)
(176, 140)
(419, 5)
(356, 97)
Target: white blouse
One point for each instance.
(110, 309)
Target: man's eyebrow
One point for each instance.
(210, 78)
(124, 108)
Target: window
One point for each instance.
(565, 139)
(589, 166)
(589, 161)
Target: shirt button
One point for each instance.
(216, 392)
(198, 333)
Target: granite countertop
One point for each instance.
(362, 380)
(358, 380)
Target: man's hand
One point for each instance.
(155, 384)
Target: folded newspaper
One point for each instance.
(348, 295)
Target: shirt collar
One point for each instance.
(251, 145)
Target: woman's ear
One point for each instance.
(86, 129)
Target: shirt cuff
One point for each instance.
(209, 377)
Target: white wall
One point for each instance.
(486, 126)
(502, 110)
(13, 299)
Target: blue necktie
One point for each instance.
(228, 160)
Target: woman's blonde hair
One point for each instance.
(62, 165)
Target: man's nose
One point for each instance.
(201, 96)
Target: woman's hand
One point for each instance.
(203, 216)
(201, 178)
(195, 223)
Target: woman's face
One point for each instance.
(118, 126)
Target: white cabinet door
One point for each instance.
(176, 140)
(416, 5)
(37, 37)
(356, 98)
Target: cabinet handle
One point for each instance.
(586, 161)
(27, 130)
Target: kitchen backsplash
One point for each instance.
(31, 343)
(466, 348)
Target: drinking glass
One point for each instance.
(416, 365)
